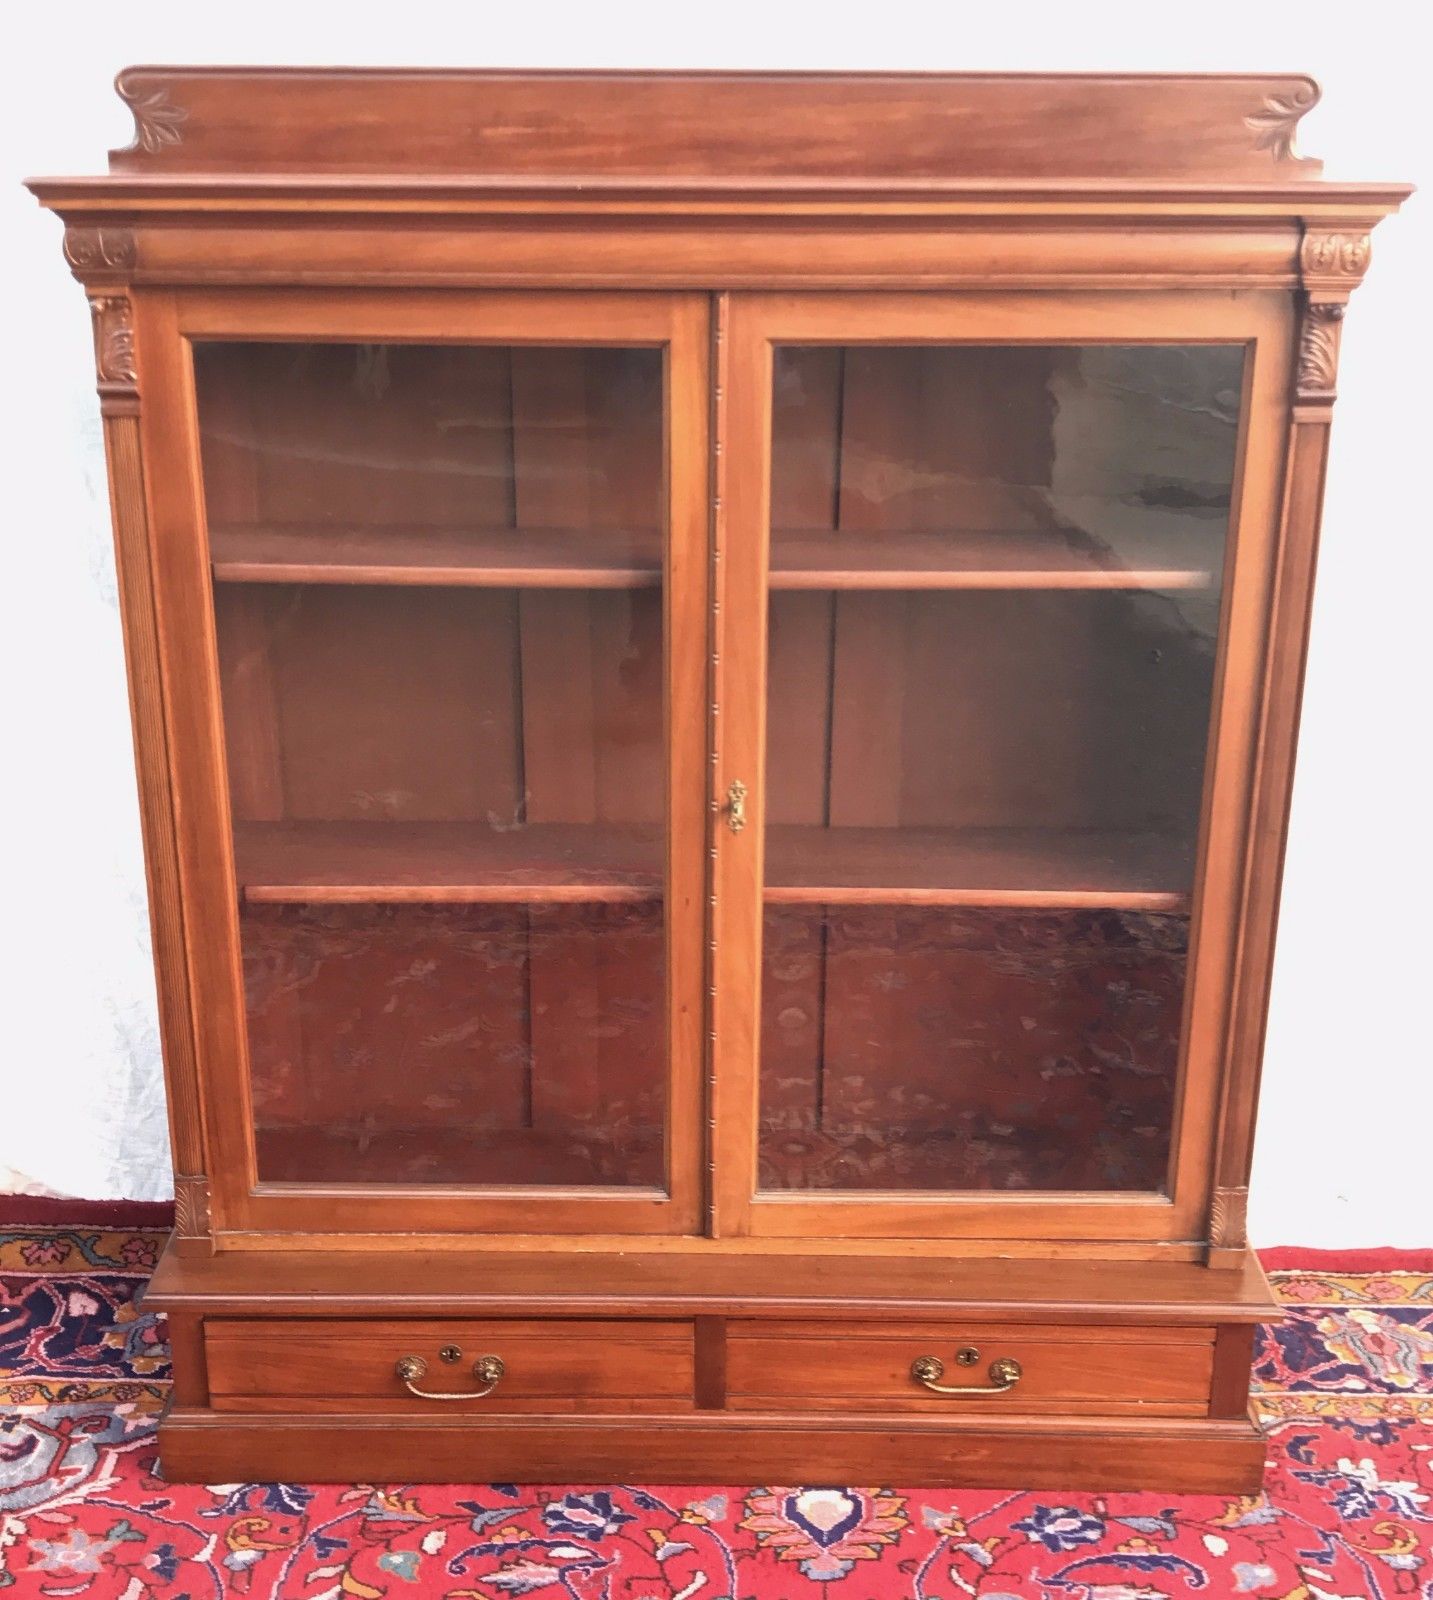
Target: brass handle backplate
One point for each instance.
(736, 805)
(488, 1370)
(927, 1371)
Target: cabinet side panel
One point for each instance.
(117, 370)
(1333, 265)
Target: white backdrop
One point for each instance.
(1347, 1119)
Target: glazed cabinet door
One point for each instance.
(442, 784)
(993, 573)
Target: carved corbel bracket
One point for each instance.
(116, 373)
(1331, 267)
(1317, 376)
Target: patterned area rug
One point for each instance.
(1347, 1509)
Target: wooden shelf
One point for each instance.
(307, 863)
(1050, 868)
(1049, 558)
(490, 558)
(605, 558)
(463, 1152)
(460, 862)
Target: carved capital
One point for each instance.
(1227, 1219)
(191, 1207)
(99, 250)
(157, 120)
(1333, 261)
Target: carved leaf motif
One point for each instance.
(114, 340)
(157, 120)
(99, 247)
(1318, 349)
(1275, 125)
(191, 1206)
(1227, 1214)
(1335, 255)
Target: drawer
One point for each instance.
(547, 1366)
(868, 1367)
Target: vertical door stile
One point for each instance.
(740, 492)
(716, 1154)
(689, 433)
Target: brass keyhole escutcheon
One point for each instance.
(450, 1353)
(967, 1355)
(736, 805)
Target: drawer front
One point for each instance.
(868, 1367)
(549, 1366)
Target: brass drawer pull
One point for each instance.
(488, 1370)
(928, 1371)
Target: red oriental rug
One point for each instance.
(1347, 1509)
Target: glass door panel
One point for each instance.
(438, 589)
(994, 589)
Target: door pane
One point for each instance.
(995, 584)
(438, 594)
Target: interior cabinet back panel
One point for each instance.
(931, 1048)
(529, 1041)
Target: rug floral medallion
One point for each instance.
(1346, 1514)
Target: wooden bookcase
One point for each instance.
(714, 663)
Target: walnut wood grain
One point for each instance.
(555, 1365)
(117, 379)
(1189, 1456)
(702, 1278)
(357, 862)
(501, 558)
(1071, 1370)
(446, 862)
(713, 124)
(966, 559)
(975, 867)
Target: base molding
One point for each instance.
(542, 1369)
(1179, 1457)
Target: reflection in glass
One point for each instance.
(912, 1047)
(455, 1043)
